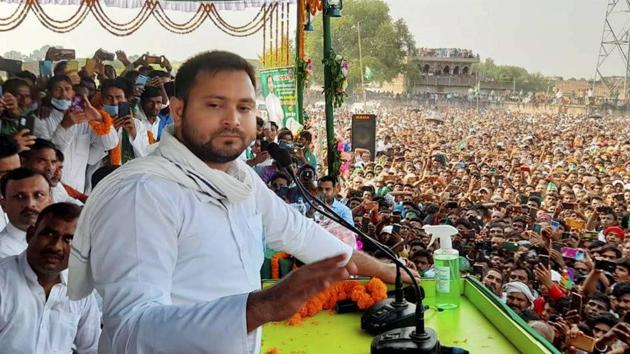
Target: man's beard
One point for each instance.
(208, 153)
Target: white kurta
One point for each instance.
(274, 109)
(32, 324)
(60, 195)
(12, 241)
(184, 265)
(141, 143)
(80, 145)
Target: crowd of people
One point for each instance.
(59, 136)
(540, 202)
(540, 199)
(447, 53)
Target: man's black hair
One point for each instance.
(57, 79)
(280, 175)
(150, 92)
(306, 135)
(467, 224)
(60, 67)
(60, 156)
(25, 74)
(102, 173)
(120, 83)
(607, 318)
(621, 289)
(131, 75)
(64, 211)
(601, 297)
(212, 63)
(158, 73)
(327, 178)
(12, 85)
(17, 175)
(39, 144)
(8, 146)
(274, 124)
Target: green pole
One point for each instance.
(300, 81)
(330, 127)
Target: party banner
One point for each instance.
(280, 93)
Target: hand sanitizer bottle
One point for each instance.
(446, 263)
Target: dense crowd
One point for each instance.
(540, 199)
(540, 202)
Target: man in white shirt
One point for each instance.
(186, 226)
(273, 104)
(84, 134)
(132, 133)
(9, 160)
(36, 315)
(150, 107)
(24, 194)
(42, 158)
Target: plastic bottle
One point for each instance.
(446, 263)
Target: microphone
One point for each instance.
(399, 324)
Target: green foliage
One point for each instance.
(524, 80)
(384, 42)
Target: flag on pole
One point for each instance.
(368, 73)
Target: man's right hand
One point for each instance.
(24, 139)
(285, 299)
(11, 105)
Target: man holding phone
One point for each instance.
(17, 112)
(132, 133)
(84, 136)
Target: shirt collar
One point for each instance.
(15, 233)
(29, 273)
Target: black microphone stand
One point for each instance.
(406, 338)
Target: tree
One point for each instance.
(520, 77)
(384, 43)
(14, 55)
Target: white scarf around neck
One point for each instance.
(172, 161)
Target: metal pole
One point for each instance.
(330, 127)
(299, 34)
(361, 66)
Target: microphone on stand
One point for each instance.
(400, 326)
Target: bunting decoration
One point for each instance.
(148, 8)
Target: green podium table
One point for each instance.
(482, 324)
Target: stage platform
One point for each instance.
(482, 324)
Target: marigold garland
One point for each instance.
(364, 295)
(275, 264)
(102, 128)
(149, 8)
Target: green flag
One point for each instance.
(368, 73)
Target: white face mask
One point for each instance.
(62, 105)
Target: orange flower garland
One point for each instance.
(275, 264)
(364, 295)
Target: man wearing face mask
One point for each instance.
(83, 133)
(132, 133)
(16, 105)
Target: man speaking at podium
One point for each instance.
(174, 242)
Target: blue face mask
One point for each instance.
(62, 105)
(111, 110)
(33, 107)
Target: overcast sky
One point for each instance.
(558, 37)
